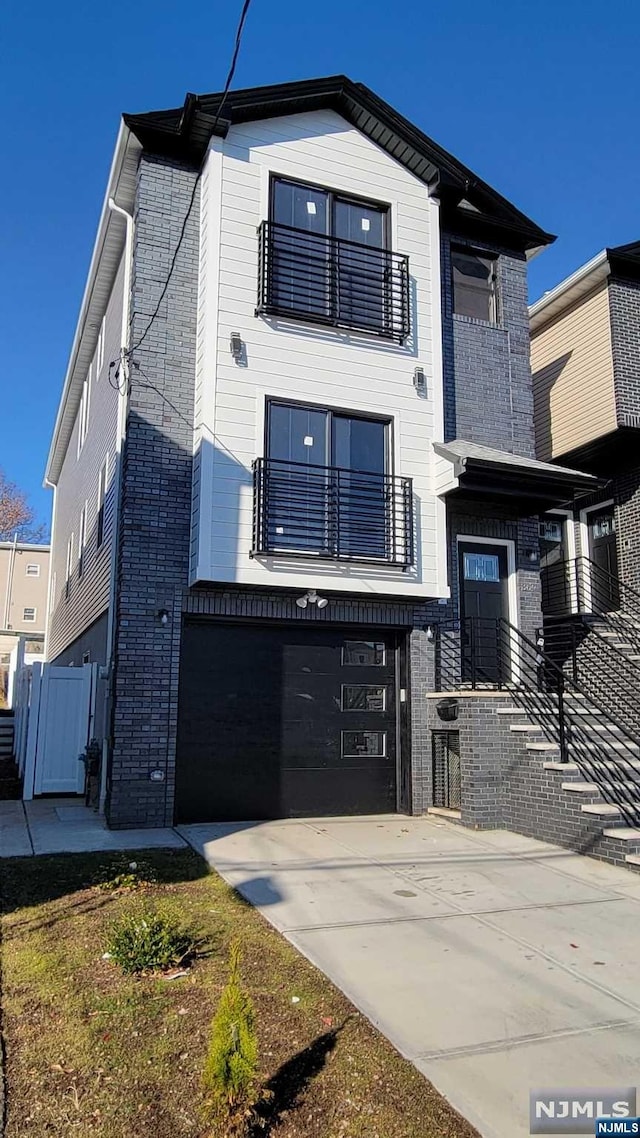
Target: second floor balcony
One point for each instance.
(328, 280)
(331, 513)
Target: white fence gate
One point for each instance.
(58, 726)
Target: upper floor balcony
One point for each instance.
(332, 513)
(326, 279)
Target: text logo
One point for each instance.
(575, 1110)
(606, 1126)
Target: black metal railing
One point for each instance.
(327, 280)
(579, 585)
(476, 653)
(329, 512)
(606, 672)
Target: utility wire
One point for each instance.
(229, 79)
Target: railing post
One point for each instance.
(472, 649)
(562, 723)
(574, 654)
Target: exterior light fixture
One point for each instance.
(429, 632)
(163, 616)
(236, 346)
(420, 381)
(531, 555)
(311, 598)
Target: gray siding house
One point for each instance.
(296, 491)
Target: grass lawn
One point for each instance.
(92, 1052)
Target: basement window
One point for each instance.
(474, 285)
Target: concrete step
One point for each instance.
(623, 833)
(542, 747)
(601, 809)
(509, 711)
(632, 859)
(568, 768)
(612, 786)
(579, 787)
(524, 727)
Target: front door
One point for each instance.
(483, 573)
(603, 551)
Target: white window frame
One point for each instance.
(100, 348)
(29, 619)
(69, 567)
(32, 569)
(103, 475)
(82, 540)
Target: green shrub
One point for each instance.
(147, 941)
(124, 875)
(230, 1070)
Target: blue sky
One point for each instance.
(540, 99)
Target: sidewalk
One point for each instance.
(66, 825)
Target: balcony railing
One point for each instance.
(326, 280)
(327, 512)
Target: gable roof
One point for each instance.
(185, 132)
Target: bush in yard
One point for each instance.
(149, 940)
(230, 1069)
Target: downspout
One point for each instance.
(123, 401)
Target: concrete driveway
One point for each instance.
(494, 962)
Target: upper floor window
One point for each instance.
(69, 566)
(82, 539)
(83, 412)
(324, 488)
(29, 615)
(325, 258)
(99, 356)
(102, 492)
(32, 570)
(474, 285)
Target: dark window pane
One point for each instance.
(365, 743)
(363, 653)
(300, 266)
(473, 286)
(363, 697)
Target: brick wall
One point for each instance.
(624, 307)
(487, 370)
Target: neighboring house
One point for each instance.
(585, 352)
(24, 583)
(294, 457)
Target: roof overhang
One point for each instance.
(619, 261)
(107, 251)
(527, 486)
(185, 132)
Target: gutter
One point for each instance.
(599, 262)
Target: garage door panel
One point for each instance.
(261, 726)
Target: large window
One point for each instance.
(102, 493)
(474, 285)
(325, 257)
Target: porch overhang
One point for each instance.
(526, 485)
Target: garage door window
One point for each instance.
(357, 743)
(363, 653)
(363, 697)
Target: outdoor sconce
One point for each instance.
(531, 555)
(163, 616)
(420, 381)
(429, 632)
(236, 346)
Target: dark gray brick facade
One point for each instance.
(488, 396)
(624, 309)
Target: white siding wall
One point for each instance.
(297, 361)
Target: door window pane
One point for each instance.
(363, 697)
(363, 743)
(604, 526)
(363, 653)
(481, 567)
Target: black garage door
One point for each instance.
(282, 722)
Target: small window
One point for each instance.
(363, 697)
(102, 492)
(365, 653)
(100, 349)
(33, 570)
(82, 539)
(69, 566)
(29, 615)
(365, 744)
(474, 285)
(83, 412)
(481, 567)
(550, 531)
(86, 657)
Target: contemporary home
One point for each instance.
(297, 500)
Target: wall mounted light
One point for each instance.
(163, 616)
(531, 555)
(420, 381)
(236, 346)
(429, 632)
(311, 598)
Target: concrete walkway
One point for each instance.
(66, 825)
(495, 963)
